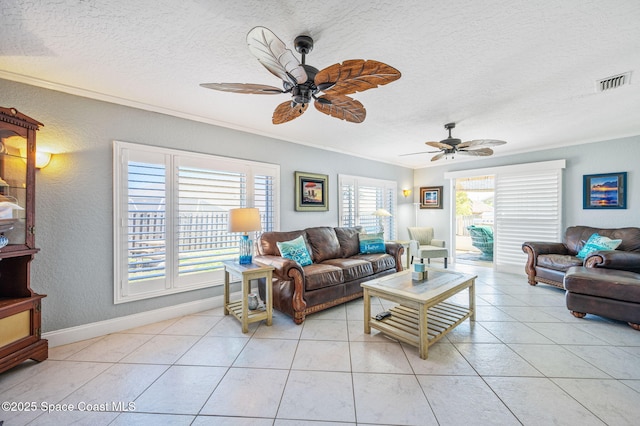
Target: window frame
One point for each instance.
(389, 202)
(173, 159)
(511, 213)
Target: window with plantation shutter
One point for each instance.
(171, 215)
(528, 207)
(360, 197)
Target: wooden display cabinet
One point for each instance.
(20, 307)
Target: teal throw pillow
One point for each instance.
(597, 242)
(371, 243)
(295, 250)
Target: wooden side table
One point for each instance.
(240, 308)
(407, 250)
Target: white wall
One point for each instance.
(618, 155)
(74, 193)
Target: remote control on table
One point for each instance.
(383, 315)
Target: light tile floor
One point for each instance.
(526, 360)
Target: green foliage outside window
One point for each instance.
(464, 205)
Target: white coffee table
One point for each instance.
(423, 315)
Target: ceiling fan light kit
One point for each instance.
(305, 82)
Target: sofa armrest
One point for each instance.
(437, 243)
(396, 250)
(535, 248)
(538, 248)
(283, 267)
(614, 259)
(414, 246)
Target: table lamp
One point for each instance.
(380, 213)
(245, 220)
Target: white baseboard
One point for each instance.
(100, 328)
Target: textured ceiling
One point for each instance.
(520, 71)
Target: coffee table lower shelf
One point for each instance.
(403, 324)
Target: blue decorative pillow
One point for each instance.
(597, 242)
(295, 250)
(372, 243)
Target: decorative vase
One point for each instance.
(246, 250)
(253, 301)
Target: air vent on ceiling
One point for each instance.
(613, 82)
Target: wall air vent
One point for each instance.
(613, 82)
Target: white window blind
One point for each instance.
(360, 197)
(171, 215)
(528, 207)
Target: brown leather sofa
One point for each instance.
(549, 262)
(609, 293)
(333, 278)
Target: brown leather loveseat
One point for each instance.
(549, 262)
(335, 275)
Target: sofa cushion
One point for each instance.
(380, 262)
(576, 236)
(296, 250)
(319, 275)
(352, 269)
(371, 243)
(267, 243)
(597, 242)
(348, 238)
(558, 262)
(324, 243)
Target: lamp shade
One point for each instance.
(381, 212)
(244, 220)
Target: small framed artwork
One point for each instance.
(312, 192)
(431, 197)
(605, 191)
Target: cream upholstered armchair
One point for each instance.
(424, 246)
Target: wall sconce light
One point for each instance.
(42, 158)
(406, 192)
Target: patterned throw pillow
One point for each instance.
(371, 243)
(295, 250)
(597, 242)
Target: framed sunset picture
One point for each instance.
(605, 191)
(431, 197)
(311, 192)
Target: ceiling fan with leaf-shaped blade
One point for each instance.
(305, 82)
(452, 146)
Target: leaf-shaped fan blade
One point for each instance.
(342, 107)
(438, 156)
(259, 89)
(439, 145)
(481, 142)
(482, 152)
(274, 55)
(286, 112)
(355, 75)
